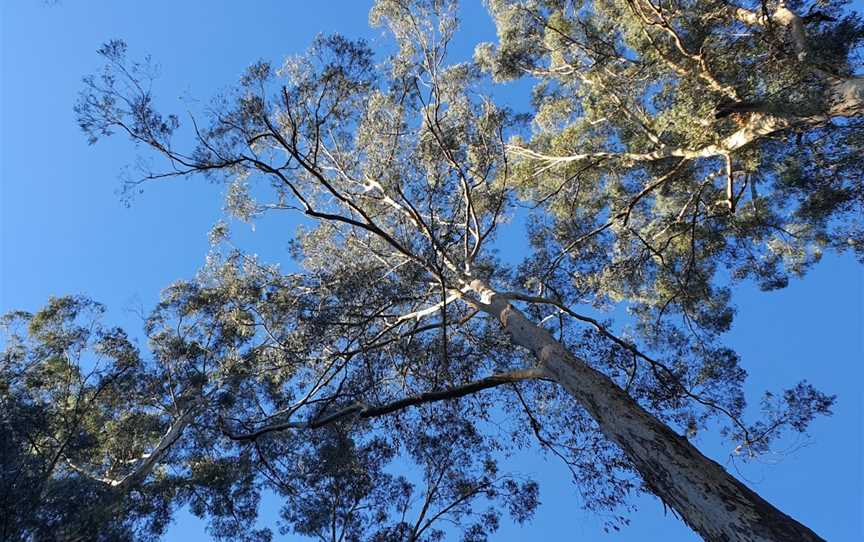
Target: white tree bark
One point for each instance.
(783, 16)
(144, 465)
(844, 98)
(708, 499)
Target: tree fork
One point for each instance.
(712, 502)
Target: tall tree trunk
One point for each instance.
(712, 502)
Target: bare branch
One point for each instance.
(362, 411)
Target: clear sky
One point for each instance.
(64, 229)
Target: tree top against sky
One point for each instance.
(669, 152)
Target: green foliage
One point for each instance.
(671, 152)
(71, 396)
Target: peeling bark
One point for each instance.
(713, 503)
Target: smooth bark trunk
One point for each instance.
(711, 501)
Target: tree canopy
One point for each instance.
(671, 151)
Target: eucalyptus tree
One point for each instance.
(59, 413)
(102, 442)
(743, 123)
(404, 335)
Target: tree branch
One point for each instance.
(362, 411)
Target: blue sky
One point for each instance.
(64, 229)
